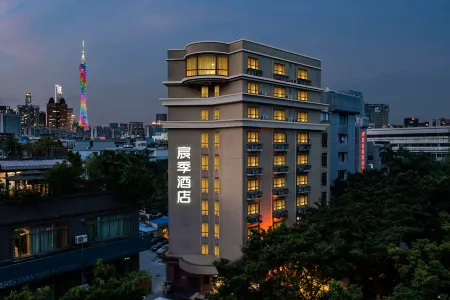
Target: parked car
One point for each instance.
(156, 240)
(158, 245)
(162, 250)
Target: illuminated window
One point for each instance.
(216, 208)
(204, 184)
(204, 162)
(252, 113)
(216, 162)
(222, 65)
(302, 138)
(252, 230)
(204, 115)
(279, 204)
(302, 200)
(252, 63)
(216, 140)
(302, 116)
(205, 229)
(252, 136)
(216, 91)
(252, 184)
(205, 92)
(279, 92)
(302, 159)
(302, 74)
(204, 207)
(279, 69)
(253, 208)
(302, 179)
(216, 250)
(277, 224)
(279, 160)
(216, 185)
(205, 249)
(279, 137)
(207, 64)
(302, 95)
(216, 114)
(253, 161)
(279, 182)
(216, 231)
(252, 88)
(191, 66)
(204, 139)
(279, 115)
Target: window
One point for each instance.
(324, 159)
(216, 231)
(252, 63)
(205, 162)
(205, 249)
(216, 140)
(216, 91)
(279, 204)
(207, 64)
(343, 120)
(191, 66)
(216, 250)
(252, 88)
(253, 161)
(252, 184)
(302, 159)
(279, 92)
(216, 162)
(216, 114)
(302, 179)
(279, 69)
(279, 137)
(302, 74)
(252, 113)
(324, 117)
(302, 95)
(204, 207)
(204, 184)
(252, 136)
(343, 139)
(279, 182)
(279, 160)
(342, 156)
(252, 230)
(40, 239)
(302, 116)
(109, 226)
(323, 179)
(302, 200)
(205, 229)
(204, 140)
(341, 174)
(279, 115)
(204, 115)
(302, 138)
(253, 208)
(324, 139)
(216, 185)
(323, 196)
(205, 92)
(216, 208)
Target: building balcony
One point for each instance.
(280, 169)
(254, 195)
(303, 147)
(36, 268)
(280, 213)
(281, 191)
(254, 218)
(304, 81)
(253, 147)
(280, 77)
(301, 211)
(280, 146)
(255, 72)
(254, 171)
(303, 168)
(303, 188)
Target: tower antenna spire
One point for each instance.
(82, 52)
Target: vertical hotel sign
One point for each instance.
(363, 150)
(184, 174)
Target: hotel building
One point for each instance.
(248, 149)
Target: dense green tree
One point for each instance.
(27, 294)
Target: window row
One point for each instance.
(278, 182)
(205, 93)
(204, 114)
(278, 91)
(205, 207)
(278, 68)
(205, 230)
(205, 250)
(205, 162)
(205, 184)
(204, 138)
(207, 64)
(280, 203)
(278, 137)
(278, 114)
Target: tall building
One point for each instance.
(378, 114)
(83, 122)
(42, 119)
(29, 114)
(136, 128)
(6, 110)
(58, 92)
(70, 119)
(10, 123)
(248, 149)
(57, 113)
(161, 117)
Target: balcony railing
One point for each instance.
(254, 171)
(254, 147)
(303, 147)
(280, 169)
(282, 191)
(280, 77)
(253, 219)
(280, 213)
(303, 188)
(304, 81)
(254, 195)
(255, 72)
(280, 146)
(303, 168)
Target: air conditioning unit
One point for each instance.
(81, 239)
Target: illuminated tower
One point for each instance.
(83, 104)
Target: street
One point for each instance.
(151, 263)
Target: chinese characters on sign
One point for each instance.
(184, 174)
(363, 150)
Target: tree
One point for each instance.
(27, 294)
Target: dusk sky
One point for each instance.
(394, 52)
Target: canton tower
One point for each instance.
(83, 122)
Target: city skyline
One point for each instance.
(381, 49)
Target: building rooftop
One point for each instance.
(29, 164)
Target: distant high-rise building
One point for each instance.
(6, 110)
(10, 123)
(161, 117)
(136, 128)
(42, 119)
(70, 119)
(123, 128)
(378, 114)
(57, 113)
(29, 114)
(83, 121)
(58, 93)
(411, 122)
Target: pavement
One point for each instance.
(149, 262)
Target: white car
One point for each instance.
(162, 250)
